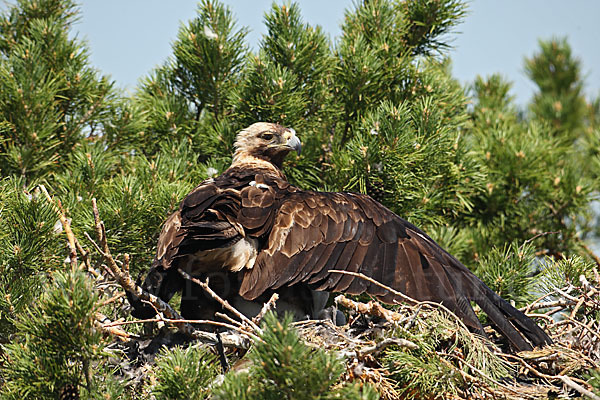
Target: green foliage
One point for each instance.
(15, 23)
(184, 374)
(305, 52)
(55, 343)
(428, 21)
(560, 99)
(533, 183)
(378, 47)
(166, 110)
(208, 53)
(510, 271)
(49, 95)
(283, 367)
(557, 274)
(30, 247)
(594, 380)
(426, 372)
(268, 94)
(407, 157)
(378, 112)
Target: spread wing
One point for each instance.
(308, 234)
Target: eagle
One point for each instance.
(252, 233)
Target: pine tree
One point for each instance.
(56, 344)
(506, 191)
(50, 97)
(559, 99)
(533, 184)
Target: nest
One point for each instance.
(423, 351)
(382, 346)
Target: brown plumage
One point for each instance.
(258, 234)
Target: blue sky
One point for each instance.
(127, 38)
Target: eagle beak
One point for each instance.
(294, 143)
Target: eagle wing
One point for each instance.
(308, 234)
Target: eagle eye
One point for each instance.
(266, 136)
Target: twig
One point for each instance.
(112, 299)
(566, 294)
(224, 303)
(548, 304)
(526, 309)
(381, 285)
(113, 331)
(570, 319)
(479, 371)
(66, 227)
(173, 321)
(86, 259)
(567, 381)
(372, 308)
(229, 319)
(412, 318)
(266, 307)
(403, 296)
(531, 239)
(590, 253)
(379, 347)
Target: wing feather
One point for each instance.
(312, 233)
(345, 283)
(331, 280)
(305, 268)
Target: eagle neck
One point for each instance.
(247, 161)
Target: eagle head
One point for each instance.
(265, 141)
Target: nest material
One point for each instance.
(377, 336)
(570, 315)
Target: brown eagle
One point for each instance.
(252, 233)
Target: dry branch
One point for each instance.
(372, 308)
(66, 226)
(269, 305)
(224, 303)
(122, 276)
(408, 299)
(379, 347)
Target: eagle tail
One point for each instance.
(521, 331)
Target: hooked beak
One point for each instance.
(293, 142)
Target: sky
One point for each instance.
(127, 38)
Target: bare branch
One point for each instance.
(224, 303)
(266, 307)
(66, 227)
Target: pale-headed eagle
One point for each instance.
(252, 233)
